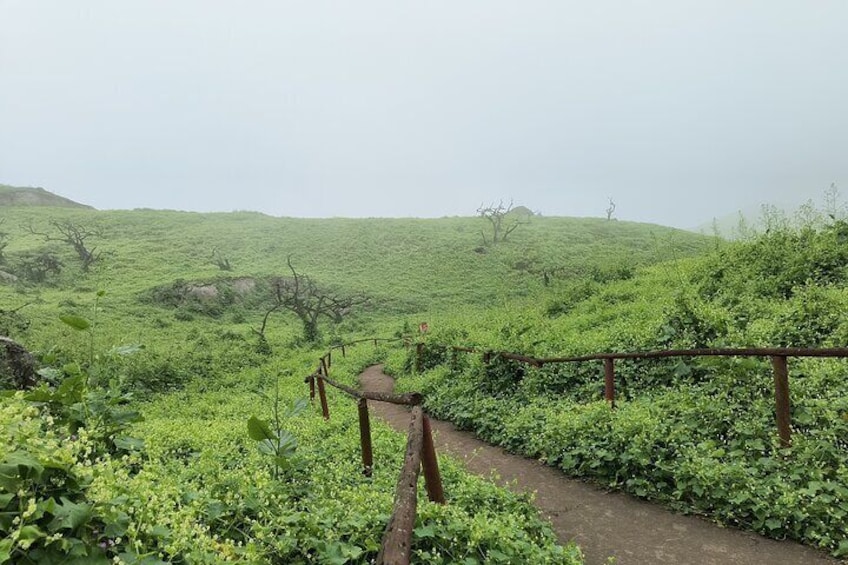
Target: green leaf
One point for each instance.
(49, 373)
(160, 532)
(118, 525)
(18, 467)
(75, 322)
(286, 443)
(31, 533)
(298, 407)
(124, 350)
(842, 550)
(267, 447)
(773, 523)
(5, 499)
(259, 430)
(6, 549)
(428, 531)
(68, 515)
(129, 443)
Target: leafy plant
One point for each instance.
(276, 442)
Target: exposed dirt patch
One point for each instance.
(603, 523)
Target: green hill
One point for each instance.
(167, 306)
(405, 265)
(698, 434)
(29, 196)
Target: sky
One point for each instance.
(679, 111)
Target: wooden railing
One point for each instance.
(420, 454)
(396, 547)
(778, 357)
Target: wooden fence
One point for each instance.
(396, 545)
(778, 356)
(420, 451)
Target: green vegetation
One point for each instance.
(170, 424)
(27, 196)
(164, 429)
(698, 435)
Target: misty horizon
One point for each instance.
(679, 112)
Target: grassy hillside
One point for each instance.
(402, 265)
(78, 465)
(698, 435)
(28, 196)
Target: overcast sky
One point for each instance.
(680, 111)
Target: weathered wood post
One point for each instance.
(609, 381)
(781, 399)
(324, 367)
(365, 438)
(329, 358)
(312, 387)
(430, 466)
(419, 357)
(396, 547)
(322, 393)
(344, 354)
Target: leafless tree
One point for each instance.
(502, 223)
(77, 236)
(302, 296)
(610, 209)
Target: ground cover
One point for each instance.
(137, 445)
(697, 435)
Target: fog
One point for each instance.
(679, 111)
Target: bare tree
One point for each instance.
(610, 209)
(502, 223)
(75, 235)
(300, 295)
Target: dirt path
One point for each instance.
(603, 524)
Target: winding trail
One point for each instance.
(602, 523)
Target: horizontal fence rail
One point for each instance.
(420, 457)
(778, 356)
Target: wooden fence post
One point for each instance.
(365, 438)
(430, 466)
(312, 387)
(325, 371)
(344, 354)
(609, 381)
(781, 398)
(325, 410)
(329, 358)
(419, 357)
(396, 547)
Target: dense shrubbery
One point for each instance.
(699, 434)
(74, 487)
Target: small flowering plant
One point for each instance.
(45, 515)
